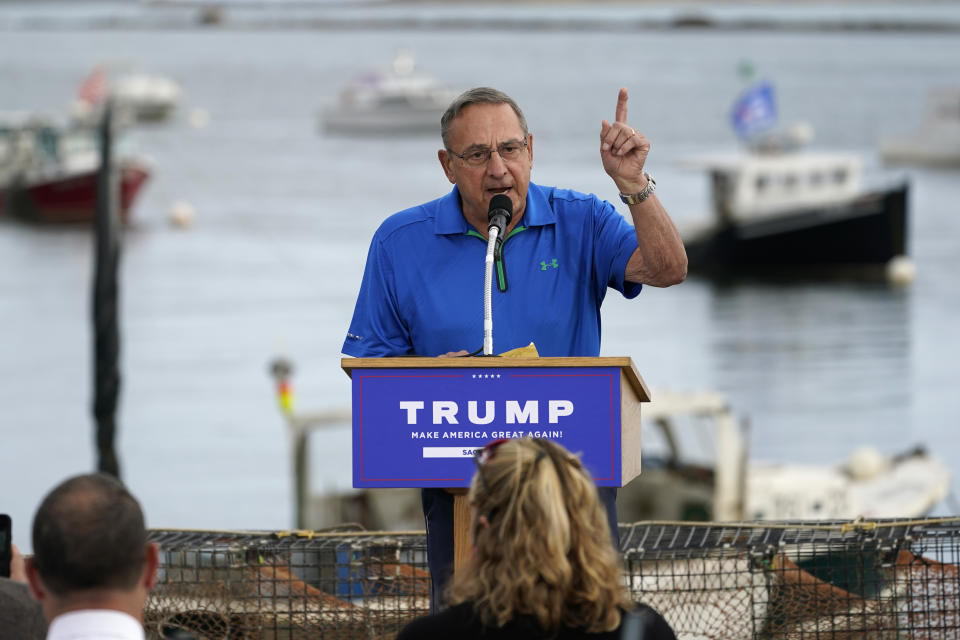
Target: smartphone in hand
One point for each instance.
(5, 540)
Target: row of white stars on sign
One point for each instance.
(486, 375)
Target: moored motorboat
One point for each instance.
(797, 211)
(71, 197)
(936, 142)
(397, 99)
(722, 483)
(149, 98)
(779, 208)
(136, 97)
(48, 173)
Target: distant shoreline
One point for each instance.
(616, 16)
(681, 23)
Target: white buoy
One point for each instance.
(181, 214)
(865, 462)
(901, 271)
(198, 118)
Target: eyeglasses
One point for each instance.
(479, 156)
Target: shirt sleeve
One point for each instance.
(615, 242)
(377, 328)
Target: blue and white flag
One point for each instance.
(754, 111)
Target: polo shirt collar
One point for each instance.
(450, 220)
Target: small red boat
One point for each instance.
(48, 174)
(72, 197)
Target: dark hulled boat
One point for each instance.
(797, 212)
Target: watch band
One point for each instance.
(637, 198)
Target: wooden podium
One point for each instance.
(417, 422)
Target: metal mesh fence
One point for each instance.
(893, 579)
(287, 586)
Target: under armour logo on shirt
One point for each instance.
(544, 264)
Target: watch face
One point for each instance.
(637, 198)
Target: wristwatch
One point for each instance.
(637, 198)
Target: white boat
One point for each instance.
(396, 99)
(936, 142)
(724, 484)
(137, 97)
(147, 97)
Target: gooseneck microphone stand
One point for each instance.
(488, 291)
(499, 214)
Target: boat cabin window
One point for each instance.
(789, 181)
(395, 100)
(762, 182)
(6, 145)
(48, 141)
(840, 176)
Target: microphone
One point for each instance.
(499, 214)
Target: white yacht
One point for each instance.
(397, 99)
(936, 142)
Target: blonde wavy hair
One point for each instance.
(542, 543)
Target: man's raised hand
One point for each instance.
(623, 149)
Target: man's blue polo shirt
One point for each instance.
(422, 290)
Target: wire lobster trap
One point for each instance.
(889, 580)
(335, 584)
(894, 579)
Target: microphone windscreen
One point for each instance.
(502, 203)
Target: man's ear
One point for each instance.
(33, 581)
(446, 161)
(150, 565)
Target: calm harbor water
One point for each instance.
(284, 214)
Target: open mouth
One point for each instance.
(499, 190)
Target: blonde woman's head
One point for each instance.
(542, 542)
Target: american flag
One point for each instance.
(93, 89)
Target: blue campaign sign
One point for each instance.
(421, 427)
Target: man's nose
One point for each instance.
(495, 165)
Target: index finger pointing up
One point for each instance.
(621, 105)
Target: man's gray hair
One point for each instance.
(477, 95)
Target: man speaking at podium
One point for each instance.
(422, 287)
